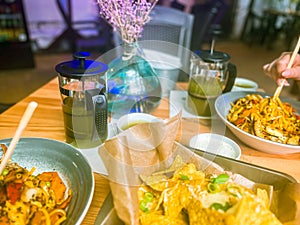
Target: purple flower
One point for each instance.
(126, 16)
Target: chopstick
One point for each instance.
(296, 50)
(22, 125)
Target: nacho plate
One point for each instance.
(108, 216)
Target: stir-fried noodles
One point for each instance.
(32, 199)
(268, 118)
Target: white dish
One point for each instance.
(244, 84)
(216, 144)
(223, 106)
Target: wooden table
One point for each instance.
(47, 122)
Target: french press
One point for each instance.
(82, 86)
(211, 74)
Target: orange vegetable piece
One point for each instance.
(57, 185)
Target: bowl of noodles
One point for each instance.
(260, 121)
(56, 180)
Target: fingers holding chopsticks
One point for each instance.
(279, 71)
(285, 67)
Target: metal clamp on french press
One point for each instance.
(97, 103)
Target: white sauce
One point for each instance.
(217, 147)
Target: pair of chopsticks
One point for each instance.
(295, 52)
(22, 125)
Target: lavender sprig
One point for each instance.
(126, 16)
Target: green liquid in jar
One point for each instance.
(79, 125)
(202, 93)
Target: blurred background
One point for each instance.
(36, 35)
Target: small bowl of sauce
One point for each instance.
(216, 144)
(243, 84)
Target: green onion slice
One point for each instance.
(213, 188)
(148, 196)
(143, 206)
(219, 206)
(235, 191)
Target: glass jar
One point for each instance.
(132, 83)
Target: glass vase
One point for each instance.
(133, 85)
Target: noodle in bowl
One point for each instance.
(47, 155)
(223, 106)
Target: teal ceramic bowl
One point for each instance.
(73, 168)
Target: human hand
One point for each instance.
(277, 69)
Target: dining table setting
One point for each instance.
(104, 143)
(47, 122)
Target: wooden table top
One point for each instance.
(47, 122)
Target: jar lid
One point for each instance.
(81, 67)
(213, 57)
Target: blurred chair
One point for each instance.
(171, 26)
(167, 24)
(266, 22)
(85, 30)
(183, 5)
(188, 4)
(254, 29)
(44, 24)
(208, 16)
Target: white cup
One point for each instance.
(132, 119)
(244, 84)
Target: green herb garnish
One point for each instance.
(184, 177)
(219, 206)
(221, 179)
(5, 172)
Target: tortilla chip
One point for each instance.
(153, 219)
(251, 211)
(206, 216)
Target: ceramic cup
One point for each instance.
(132, 119)
(244, 84)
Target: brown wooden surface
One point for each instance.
(47, 122)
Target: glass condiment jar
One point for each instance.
(211, 74)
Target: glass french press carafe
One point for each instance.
(211, 74)
(82, 85)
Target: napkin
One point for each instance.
(141, 149)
